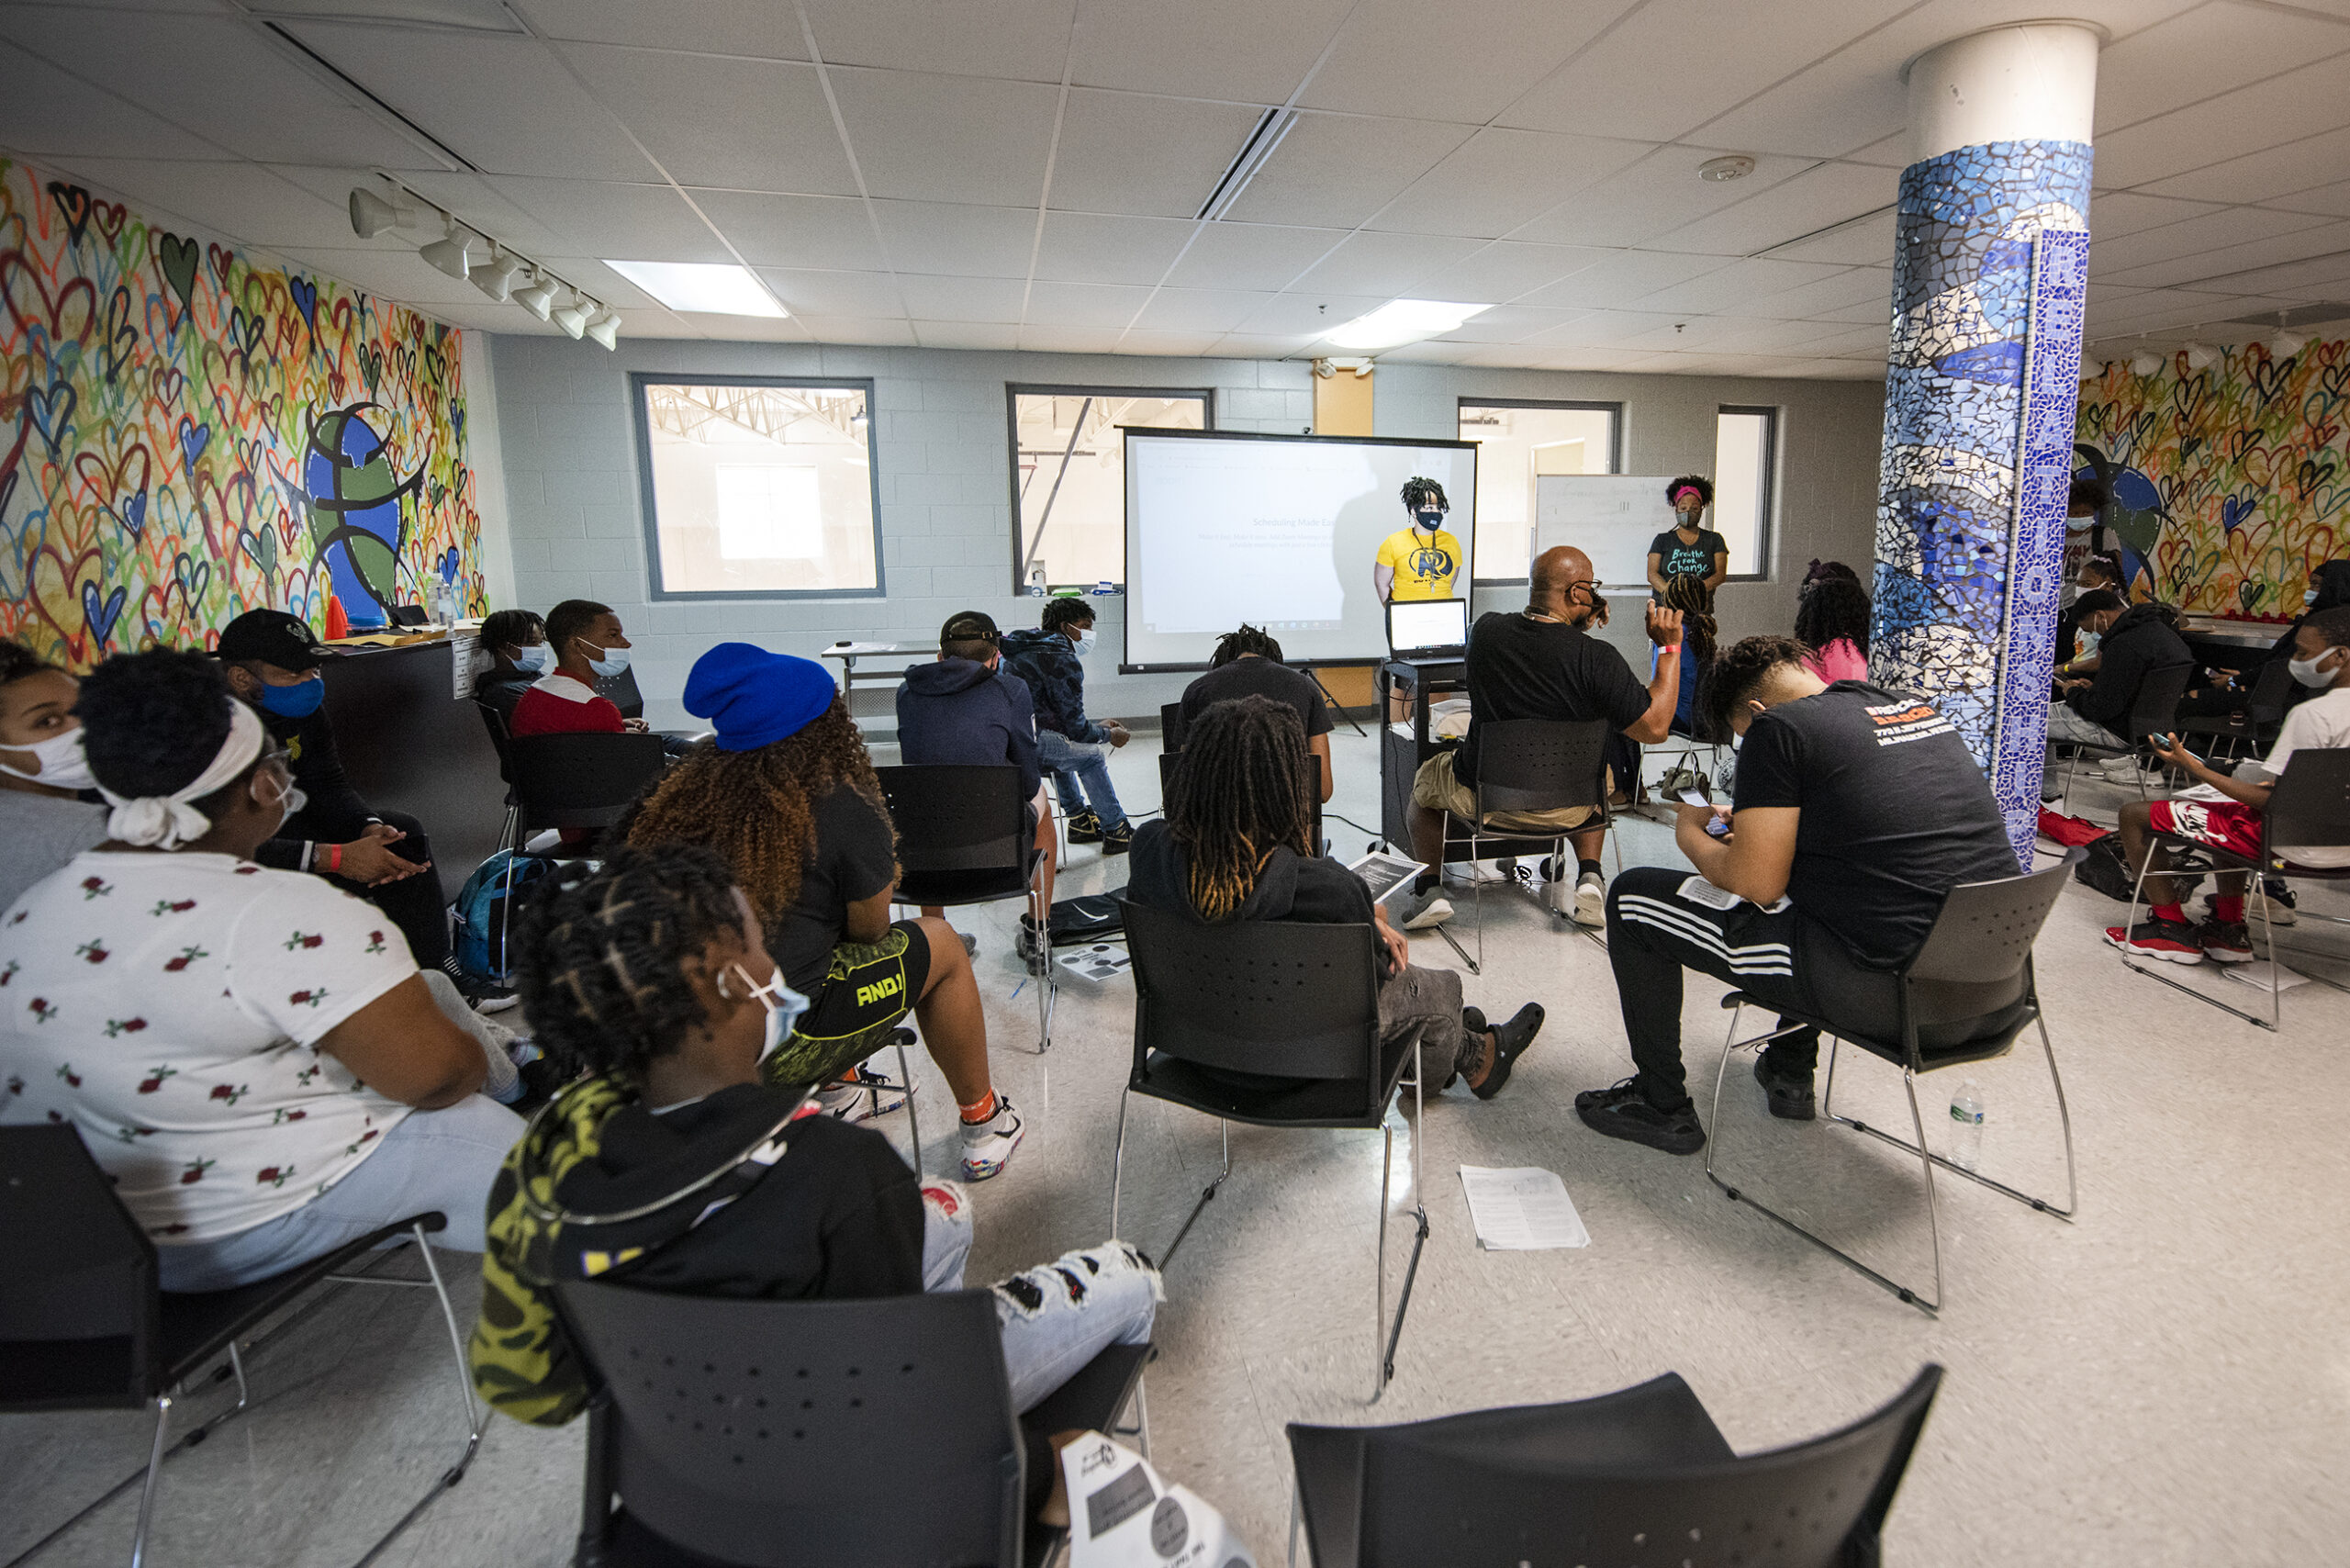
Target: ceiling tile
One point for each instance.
(1158, 157)
(1776, 337)
(2213, 49)
(967, 335)
(2218, 270)
(1509, 324)
(1046, 339)
(1308, 315)
(1735, 286)
(628, 222)
(1610, 328)
(1505, 270)
(2320, 278)
(760, 29)
(924, 137)
(2114, 214)
(1830, 194)
(1870, 286)
(1199, 309)
(43, 110)
(932, 298)
(1086, 248)
(242, 201)
(1623, 277)
(1251, 256)
(1499, 179)
(794, 230)
(470, 196)
(2287, 108)
(1017, 40)
(1466, 62)
(1265, 346)
(401, 276)
(888, 331)
(1186, 345)
(1657, 194)
(1384, 264)
(1339, 169)
(1892, 153)
(687, 110)
(1084, 304)
(507, 104)
(2333, 200)
(1673, 64)
(805, 292)
(1865, 241)
(943, 237)
(2191, 237)
(748, 328)
(2271, 176)
(1149, 46)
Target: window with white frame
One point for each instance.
(1068, 476)
(1745, 455)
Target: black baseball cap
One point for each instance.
(272, 636)
(968, 626)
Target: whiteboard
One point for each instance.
(1611, 518)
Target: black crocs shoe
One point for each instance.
(1510, 1042)
(1790, 1096)
(1622, 1110)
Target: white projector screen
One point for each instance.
(1280, 531)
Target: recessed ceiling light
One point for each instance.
(709, 289)
(1403, 321)
(1736, 167)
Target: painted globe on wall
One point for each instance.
(355, 518)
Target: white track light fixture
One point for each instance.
(2146, 363)
(451, 252)
(505, 276)
(371, 215)
(572, 316)
(2203, 356)
(496, 277)
(605, 327)
(539, 298)
(2285, 345)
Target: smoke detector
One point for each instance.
(1736, 167)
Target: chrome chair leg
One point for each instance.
(1933, 1213)
(2276, 1010)
(154, 1476)
(1379, 1275)
(1419, 1239)
(476, 1413)
(913, 1117)
(1118, 1162)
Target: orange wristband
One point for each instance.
(335, 857)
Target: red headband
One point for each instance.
(1688, 490)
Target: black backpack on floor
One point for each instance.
(2104, 868)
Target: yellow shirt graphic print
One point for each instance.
(1423, 564)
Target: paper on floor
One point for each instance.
(2257, 973)
(1521, 1209)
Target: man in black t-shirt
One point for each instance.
(1542, 663)
(1248, 663)
(1856, 811)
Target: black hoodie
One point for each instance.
(956, 711)
(2142, 639)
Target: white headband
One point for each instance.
(168, 821)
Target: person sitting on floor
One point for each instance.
(2134, 643)
(963, 707)
(516, 642)
(1856, 810)
(1832, 620)
(1076, 749)
(1542, 663)
(1236, 844)
(250, 1054)
(1248, 663)
(43, 820)
(786, 793)
(676, 1165)
(590, 646)
(2321, 664)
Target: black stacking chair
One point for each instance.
(499, 740)
(2256, 726)
(580, 781)
(1172, 725)
(2152, 712)
(964, 837)
(83, 1325)
(733, 1433)
(1530, 765)
(1963, 998)
(2308, 808)
(1598, 1480)
(1283, 999)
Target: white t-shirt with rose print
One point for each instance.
(169, 1006)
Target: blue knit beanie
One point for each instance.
(753, 698)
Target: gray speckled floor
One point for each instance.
(2164, 1382)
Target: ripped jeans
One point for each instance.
(1057, 1316)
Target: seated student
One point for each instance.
(2134, 644)
(1076, 749)
(1821, 571)
(273, 663)
(1695, 600)
(1855, 811)
(589, 646)
(963, 707)
(1542, 663)
(43, 822)
(2321, 664)
(785, 794)
(1688, 549)
(250, 1054)
(1248, 663)
(717, 1180)
(1236, 843)
(1832, 620)
(516, 642)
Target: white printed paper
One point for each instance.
(1096, 962)
(1698, 890)
(461, 663)
(1521, 1209)
(1382, 873)
(2257, 973)
(1123, 1514)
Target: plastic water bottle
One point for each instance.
(1967, 1110)
(1035, 582)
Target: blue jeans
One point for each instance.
(1072, 763)
(441, 1160)
(1050, 1330)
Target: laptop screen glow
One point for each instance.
(1428, 623)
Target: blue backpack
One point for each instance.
(495, 892)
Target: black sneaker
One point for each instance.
(1510, 1042)
(1085, 828)
(2226, 941)
(1622, 1110)
(1119, 839)
(1789, 1096)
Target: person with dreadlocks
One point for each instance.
(675, 1165)
(1419, 560)
(1248, 663)
(1696, 601)
(1236, 844)
(1832, 620)
(785, 792)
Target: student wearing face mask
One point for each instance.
(1074, 749)
(250, 1054)
(1419, 560)
(1688, 549)
(590, 646)
(43, 820)
(516, 642)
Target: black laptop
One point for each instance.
(1428, 629)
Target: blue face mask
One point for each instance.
(298, 700)
(614, 661)
(1084, 645)
(537, 659)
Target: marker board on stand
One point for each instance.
(1611, 518)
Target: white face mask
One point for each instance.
(2309, 595)
(1084, 643)
(536, 658)
(61, 764)
(291, 799)
(784, 1005)
(2312, 673)
(614, 661)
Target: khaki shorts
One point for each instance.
(1434, 787)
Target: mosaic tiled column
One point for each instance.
(1982, 378)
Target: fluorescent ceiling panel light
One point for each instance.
(1401, 322)
(704, 288)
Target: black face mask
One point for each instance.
(1429, 519)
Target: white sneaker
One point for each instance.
(988, 1146)
(1424, 912)
(2121, 768)
(851, 1102)
(1591, 900)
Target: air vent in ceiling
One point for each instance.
(1260, 146)
(464, 16)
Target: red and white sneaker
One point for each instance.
(2172, 941)
(2226, 941)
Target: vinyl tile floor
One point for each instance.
(2165, 1379)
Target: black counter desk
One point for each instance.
(1399, 755)
(410, 744)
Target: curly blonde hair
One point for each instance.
(757, 809)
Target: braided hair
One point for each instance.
(601, 960)
(758, 807)
(1421, 491)
(1830, 608)
(1696, 601)
(1737, 670)
(1238, 794)
(1242, 642)
(510, 628)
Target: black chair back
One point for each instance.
(620, 691)
(1541, 765)
(500, 738)
(1286, 999)
(1976, 963)
(2270, 686)
(2153, 710)
(962, 833)
(79, 1315)
(766, 1433)
(2310, 804)
(581, 781)
(1172, 727)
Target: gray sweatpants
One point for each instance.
(1425, 1005)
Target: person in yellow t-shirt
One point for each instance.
(1419, 560)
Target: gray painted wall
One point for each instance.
(941, 455)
